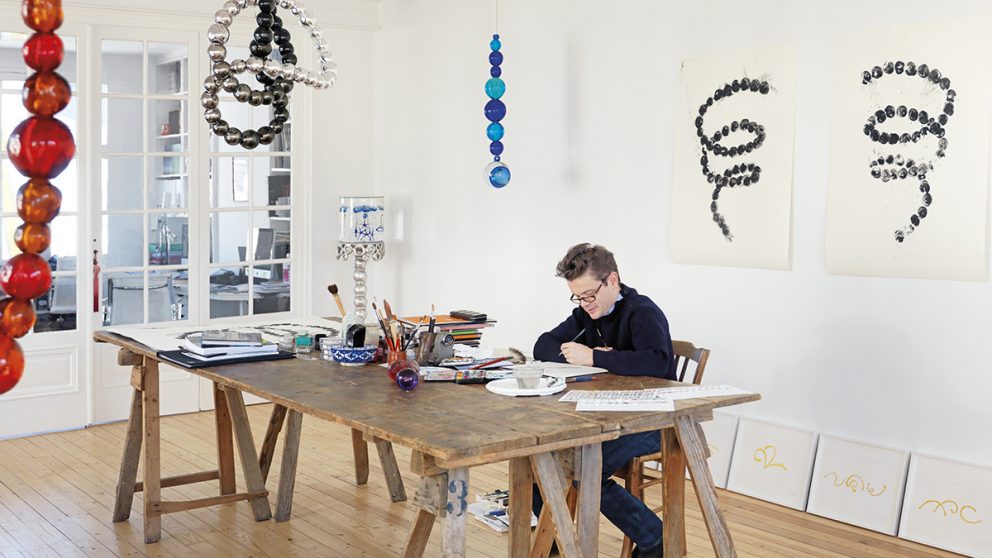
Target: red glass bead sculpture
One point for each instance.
(40, 148)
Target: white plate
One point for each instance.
(508, 386)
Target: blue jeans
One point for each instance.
(629, 514)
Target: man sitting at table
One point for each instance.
(626, 333)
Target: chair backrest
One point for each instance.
(63, 299)
(127, 300)
(686, 352)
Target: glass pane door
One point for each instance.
(144, 169)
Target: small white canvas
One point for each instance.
(721, 432)
(858, 483)
(772, 462)
(948, 504)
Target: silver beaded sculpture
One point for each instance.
(277, 76)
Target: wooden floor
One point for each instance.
(57, 494)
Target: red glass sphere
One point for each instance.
(46, 93)
(26, 276)
(42, 15)
(16, 317)
(33, 238)
(11, 363)
(38, 201)
(43, 51)
(41, 147)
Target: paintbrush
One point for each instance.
(389, 311)
(430, 325)
(414, 333)
(382, 326)
(577, 335)
(333, 289)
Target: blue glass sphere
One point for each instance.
(497, 174)
(495, 88)
(495, 71)
(496, 147)
(494, 44)
(494, 131)
(407, 378)
(495, 58)
(495, 110)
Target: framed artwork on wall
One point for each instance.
(734, 144)
(858, 483)
(948, 505)
(909, 151)
(772, 462)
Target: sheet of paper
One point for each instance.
(566, 370)
(694, 391)
(625, 405)
(169, 338)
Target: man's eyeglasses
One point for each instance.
(577, 299)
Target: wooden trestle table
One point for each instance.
(450, 429)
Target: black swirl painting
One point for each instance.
(896, 128)
(718, 140)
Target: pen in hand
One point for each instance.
(577, 335)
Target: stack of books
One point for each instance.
(466, 332)
(219, 345)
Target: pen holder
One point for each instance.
(433, 347)
(404, 372)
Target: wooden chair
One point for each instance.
(635, 475)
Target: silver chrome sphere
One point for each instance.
(216, 52)
(254, 64)
(223, 17)
(218, 33)
(208, 100)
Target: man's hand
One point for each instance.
(577, 353)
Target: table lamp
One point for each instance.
(362, 234)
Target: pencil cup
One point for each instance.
(394, 358)
(400, 369)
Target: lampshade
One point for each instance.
(362, 219)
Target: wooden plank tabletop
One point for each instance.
(443, 419)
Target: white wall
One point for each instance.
(591, 94)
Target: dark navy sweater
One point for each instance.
(637, 330)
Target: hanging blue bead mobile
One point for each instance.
(497, 173)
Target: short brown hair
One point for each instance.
(587, 258)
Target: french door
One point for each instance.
(145, 239)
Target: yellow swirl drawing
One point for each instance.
(951, 507)
(855, 483)
(767, 457)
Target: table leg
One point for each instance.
(521, 503)
(420, 531)
(673, 493)
(225, 442)
(431, 498)
(549, 478)
(360, 448)
(268, 449)
(129, 462)
(287, 473)
(694, 447)
(590, 484)
(453, 529)
(394, 482)
(249, 458)
(153, 464)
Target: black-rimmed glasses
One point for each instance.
(576, 299)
